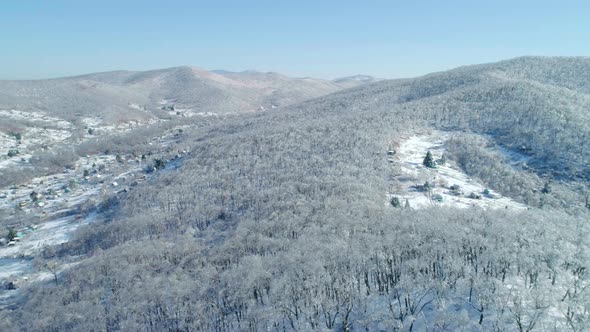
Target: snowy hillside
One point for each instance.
(448, 185)
(533, 105)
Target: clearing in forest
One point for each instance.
(447, 184)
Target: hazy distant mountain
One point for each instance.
(128, 95)
(279, 90)
(356, 80)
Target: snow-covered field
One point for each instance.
(41, 131)
(187, 112)
(412, 175)
(13, 266)
(37, 116)
(99, 127)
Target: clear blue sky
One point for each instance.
(49, 38)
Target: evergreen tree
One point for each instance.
(159, 164)
(17, 136)
(546, 188)
(429, 161)
(11, 234)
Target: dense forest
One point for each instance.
(278, 220)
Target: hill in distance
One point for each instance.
(121, 96)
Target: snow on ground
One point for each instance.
(137, 106)
(206, 114)
(61, 190)
(13, 266)
(124, 126)
(16, 262)
(59, 198)
(36, 136)
(412, 176)
(54, 205)
(42, 130)
(514, 158)
(31, 137)
(188, 112)
(100, 127)
(49, 233)
(91, 122)
(17, 161)
(7, 142)
(37, 116)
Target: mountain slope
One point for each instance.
(115, 96)
(534, 105)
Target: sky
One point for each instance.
(324, 39)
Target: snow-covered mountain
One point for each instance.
(321, 215)
(356, 80)
(115, 95)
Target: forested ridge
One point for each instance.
(277, 220)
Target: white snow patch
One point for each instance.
(92, 122)
(11, 267)
(137, 106)
(413, 174)
(40, 117)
